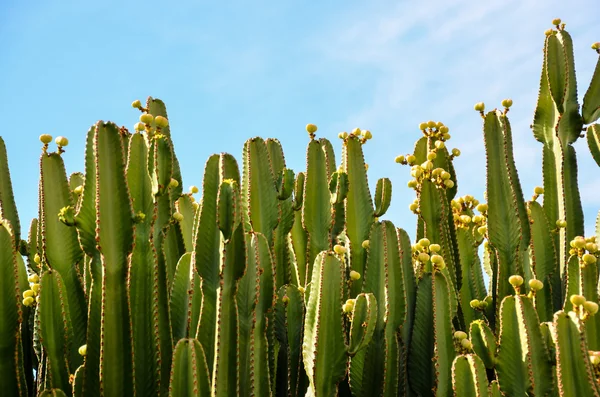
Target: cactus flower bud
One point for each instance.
(35, 288)
(578, 242)
(479, 106)
(173, 183)
(431, 124)
(412, 183)
(589, 259)
(556, 21)
(455, 152)
(596, 46)
(424, 242)
(46, 138)
(411, 159)
(591, 247)
(482, 207)
(399, 159)
(139, 126)
(61, 141)
(474, 303)
(339, 249)
(507, 103)
(444, 129)
(354, 275)
(367, 134)
(311, 128)
(536, 285)
(28, 301)
(466, 344)
(301, 290)
(548, 32)
(482, 229)
(178, 216)
(82, 350)
(137, 104)
(591, 307)
(445, 175)
(146, 118)
(431, 156)
(28, 293)
(366, 244)
(437, 259)
(34, 278)
(465, 219)
(196, 206)
(515, 280)
(449, 183)
(577, 300)
(67, 215)
(435, 248)
(78, 190)
(477, 218)
(594, 359)
(37, 259)
(538, 190)
(561, 223)
(161, 122)
(440, 144)
(413, 207)
(356, 132)
(483, 304)
(423, 126)
(460, 335)
(193, 189)
(423, 257)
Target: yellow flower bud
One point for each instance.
(515, 280)
(423, 126)
(423, 257)
(412, 183)
(28, 301)
(449, 183)
(507, 103)
(173, 183)
(367, 134)
(28, 293)
(193, 189)
(479, 106)
(440, 144)
(46, 138)
(536, 285)
(482, 229)
(339, 249)
(399, 159)
(591, 247)
(435, 248)
(436, 259)
(411, 159)
(424, 242)
(354, 275)
(82, 350)
(431, 124)
(365, 244)
(35, 288)
(455, 152)
(538, 190)
(146, 118)
(591, 307)
(431, 155)
(482, 207)
(460, 335)
(161, 122)
(465, 219)
(61, 141)
(578, 242)
(474, 303)
(589, 259)
(577, 300)
(311, 128)
(413, 207)
(178, 216)
(34, 278)
(466, 344)
(556, 21)
(301, 290)
(137, 104)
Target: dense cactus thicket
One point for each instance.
(279, 283)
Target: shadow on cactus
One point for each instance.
(283, 283)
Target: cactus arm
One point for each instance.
(56, 330)
(78, 382)
(383, 196)
(114, 234)
(185, 207)
(324, 346)
(471, 285)
(189, 371)
(505, 229)
(225, 375)
(410, 287)
(316, 211)
(261, 193)
(484, 342)
(85, 219)
(375, 370)
(591, 100)
(9, 207)
(574, 371)
(298, 236)
(545, 263)
(181, 298)
(359, 205)
(593, 140)
(289, 324)
(364, 319)
(521, 336)
(468, 376)
(60, 246)
(11, 372)
(432, 346)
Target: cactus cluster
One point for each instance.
(278, 283)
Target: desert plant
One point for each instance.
(285, 284)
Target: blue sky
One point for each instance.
(239, 69)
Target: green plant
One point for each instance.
(285, 284)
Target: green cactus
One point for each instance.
(282, 283)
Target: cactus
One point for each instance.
(283, 283)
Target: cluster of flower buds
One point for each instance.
(586, 249)
(583, 307)
(436, 130)
(60, 141)
(423, 251)
(462, 344)
(147, 119)
(462, 210)
(348, 306)
(478, 305)
(31, 296)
